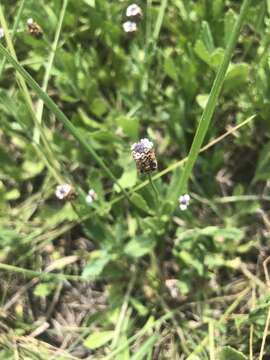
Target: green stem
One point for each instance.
(160, 19)
(45, 83)
(212, 100)
(155, 190)
(14, 30)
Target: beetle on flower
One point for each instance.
(144, 155)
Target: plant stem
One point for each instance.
(155, 190)
(13, 32)
(46, 78)
(212, 100)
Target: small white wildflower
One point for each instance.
(64, 191)
(30, 21)
(184, 201)
(91, 196)
(130, 27)
(134, 10)
(2, 34)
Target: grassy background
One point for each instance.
(130, 277)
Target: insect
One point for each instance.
(144, 155)
(34, 29)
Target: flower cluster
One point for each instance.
(144, 154)
(64, 192)
(134, 14)
(184, 201)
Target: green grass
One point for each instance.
(130, 276)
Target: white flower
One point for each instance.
(91, 196)
(130, 27)
(184, 201)
(133, 11)
(2, 34)
(63, 191)
(30, 21)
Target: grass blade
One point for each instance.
(212, 100)
(40, 105)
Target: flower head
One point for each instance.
(184, 201)
(134, 11)
(144, 154)
(64, 192)
(130, 27)
(91, 196)
(2, 34)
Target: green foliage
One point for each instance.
(132, 276)
(228, 353)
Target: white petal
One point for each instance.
(183, 207)
(89, 199)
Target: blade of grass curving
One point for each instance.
(48, 69)
(160, 19)
(14, 30)
(60, 115)
(212, 100)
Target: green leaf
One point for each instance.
(139, 246)
(91, 3)
(263, 165)
(230, 19)
(145, 348)
(44, 289)
(98, 339)
(170, 68)
(96, 265)
(206, 37)
(129, 177)
(228, 353)
(139, 201)
(236, 76)
(129, 125)
(202, 52)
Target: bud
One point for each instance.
(144, 154)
